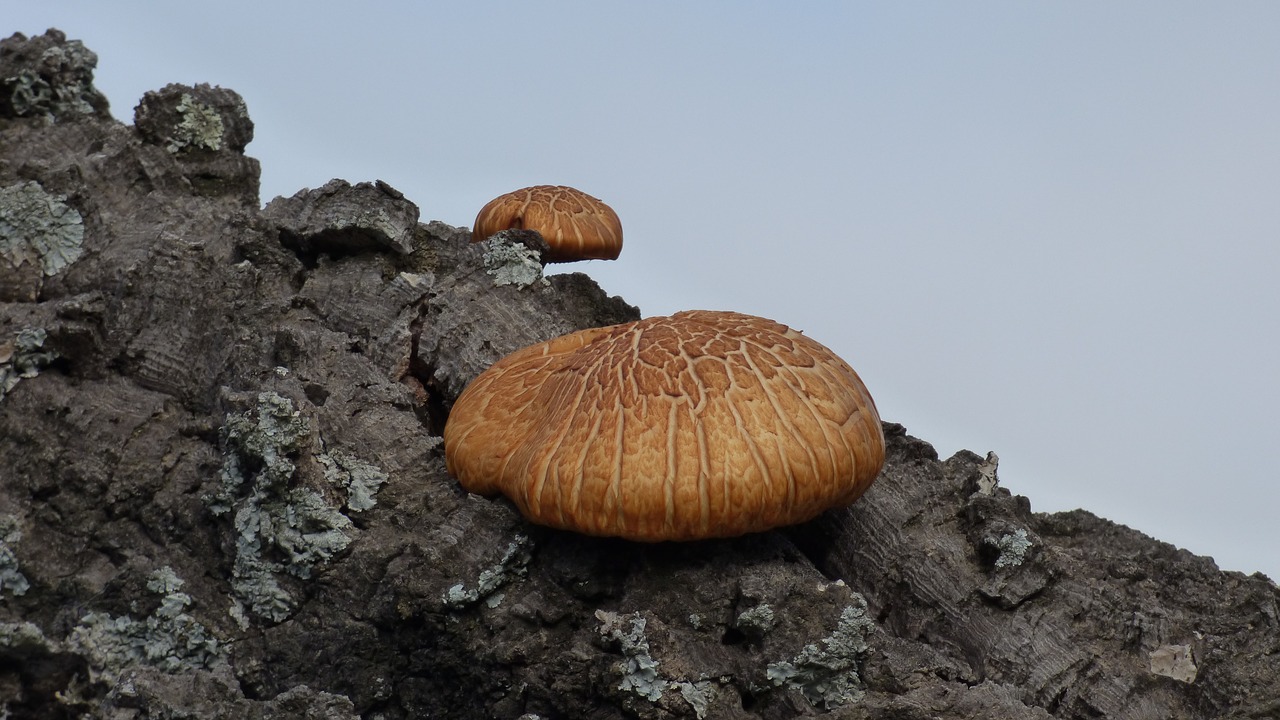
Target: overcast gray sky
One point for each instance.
(1048, 229)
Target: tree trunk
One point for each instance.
(223, 491)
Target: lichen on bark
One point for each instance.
(38, 228)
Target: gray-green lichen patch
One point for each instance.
(639, 669)
(29, 94)
(826, 672)
(200, 127)
(59, 82)
(756, 621)
(1013, 548)
(512, 264)
(257, 446)
(168, 638)
(360, 479)
(698, 694)
(279, 529)
(12, 580)
(194, 122)
(22, 358)
(513, 565)
(38, 228)
(23, 637)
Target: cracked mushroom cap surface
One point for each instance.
(703, 424)
(575, 225)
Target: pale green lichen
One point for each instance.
(360, 479)
(257, 446)
(23, 357)
(512, 264)
(22, 636)
(1013, 548)
(200, 128)
(301, 526)
(512, 566)
(30, 94)
(826, 672)
(168, 638)
(756, 621)
(639, 669)
(38, 228)
(698, 694)
(72, 96)
(11, 579)
(166, 583)
(279, 529)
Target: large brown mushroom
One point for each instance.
(575, 225)
(703, 424)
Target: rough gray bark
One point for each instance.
(222, 491)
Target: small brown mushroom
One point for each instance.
(575, 225)
(703, 424)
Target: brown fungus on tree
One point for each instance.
(575, 225)
(703, 424)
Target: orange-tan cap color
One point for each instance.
(703, 424)
(575, 225)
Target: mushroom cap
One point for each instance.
(703, 424)
(575, 225)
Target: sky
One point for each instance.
(1047, 229)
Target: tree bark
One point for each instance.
(223, 492)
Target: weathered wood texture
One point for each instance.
(222, 491)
